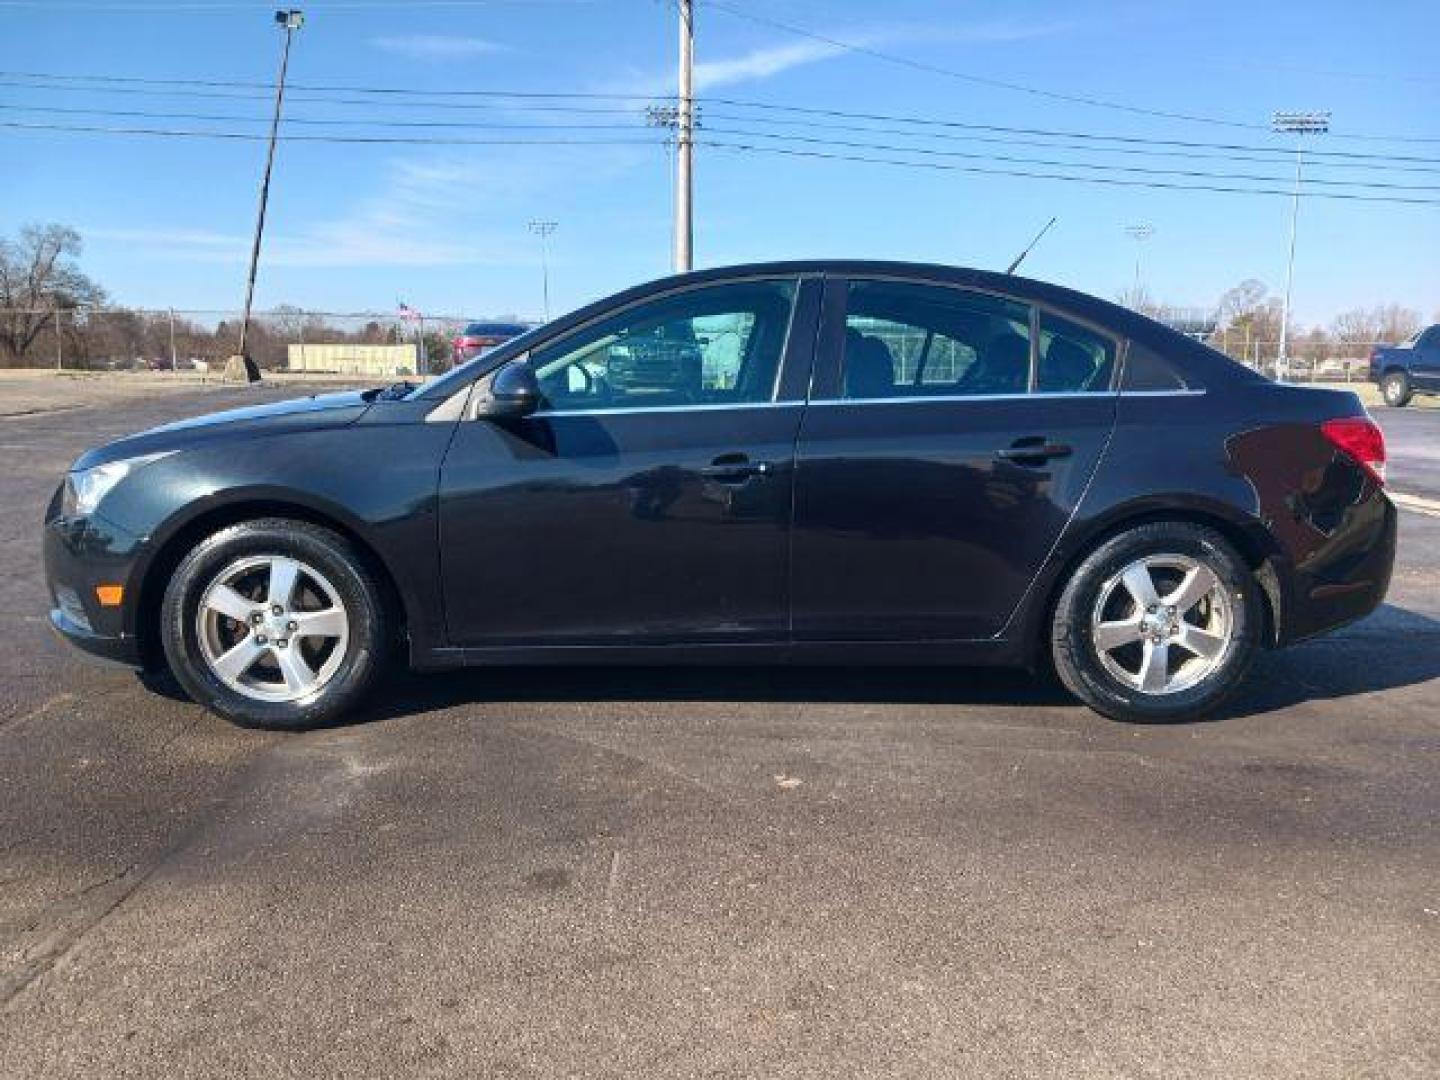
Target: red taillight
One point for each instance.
(1360, 438)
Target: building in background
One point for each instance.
(383, 361)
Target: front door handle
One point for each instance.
(1033, 450)
(735, 469)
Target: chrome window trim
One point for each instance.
(547, 414)
(1092, 395)
(1189, 391)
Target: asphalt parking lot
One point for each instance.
(722, 873)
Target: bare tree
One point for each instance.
(1385, 322)
(39, 277)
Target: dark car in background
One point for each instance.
(478, 338)
(809, 462)
(1402, 371)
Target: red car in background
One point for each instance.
(479, 338)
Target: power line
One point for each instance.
(1136, 140)
(134, 80)
(198, 7)
(1001, 84)
(250, 136)
(541, 101)
(314, 121)
(940, 166)
(743, 147)
(1365, 161)
(1137, 169)
(134, 114)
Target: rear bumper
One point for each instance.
(1343, 578)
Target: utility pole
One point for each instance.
(1139, 233)
(685, 142)
(543, 229)
(1298, 124)
(290, 21)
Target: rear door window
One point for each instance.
(1073, 359)
(906, 339)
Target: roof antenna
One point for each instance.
(1021, 257)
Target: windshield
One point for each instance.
(458, 377)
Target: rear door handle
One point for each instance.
(735, 468)
(1033, 450)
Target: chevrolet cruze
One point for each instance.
(810, 462)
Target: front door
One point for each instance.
(648, 501)
(950, 437)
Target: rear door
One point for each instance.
(950, 436)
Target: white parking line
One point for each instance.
(1430, 507)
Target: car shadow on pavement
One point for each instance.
(408, 694)
(1391, 649)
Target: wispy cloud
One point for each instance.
(767, 61)
(430, 211)
(761, 63)
(437, 46)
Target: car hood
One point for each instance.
(299, 414)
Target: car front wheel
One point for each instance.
(274, 624)
(1396, 389)
(1160, 623)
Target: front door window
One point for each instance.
(717, 345)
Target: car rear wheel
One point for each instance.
(1160, 623)
(274, 624)
(1396, 389)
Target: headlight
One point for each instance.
(84, 488)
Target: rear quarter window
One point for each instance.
(1146, 371)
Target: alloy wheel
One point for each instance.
(272, 628)
(1162, 624)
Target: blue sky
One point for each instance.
(354, 227)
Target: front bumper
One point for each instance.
(81, 554)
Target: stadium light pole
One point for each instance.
(1139, 233)
(543, 229)
(1298, 124)
(290, 21)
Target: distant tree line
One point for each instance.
(51, 312)
(50, 309)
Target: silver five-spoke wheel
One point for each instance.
(1162, 624)
(272, 628)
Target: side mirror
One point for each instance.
(511, 391)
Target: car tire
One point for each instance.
(1170, 657)
(1396, 389)
(239, 589)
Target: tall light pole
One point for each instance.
(1139, 233)
(1298, 124)
(290, 20)
(543, 229)
(685, 141)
